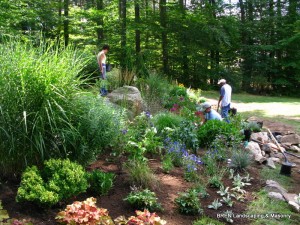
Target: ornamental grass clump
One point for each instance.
(44, 113)
(240, 160)
(140, 174)
(37, 85)
(166, 119)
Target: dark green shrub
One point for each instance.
(166, 119)
(188, 203)
(240, 160)
(178, 91)
(212, 128)
(58, 180)
(186, 132)
(97, 127)
(144, 199)
(101, 182)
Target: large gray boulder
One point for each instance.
(128, 97)
(273, 186)
(255, 151)
(260, 136)
(292, 139)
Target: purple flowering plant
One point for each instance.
(181, 157)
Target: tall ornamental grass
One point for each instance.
(41, 114)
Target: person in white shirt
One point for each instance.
(225, 99)
(101, 59)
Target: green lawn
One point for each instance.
(281, 109)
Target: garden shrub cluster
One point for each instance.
(58, 180)
(211, 129)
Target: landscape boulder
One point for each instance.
(294, 206)
(289, 197)
(273, 186)
(128, 97)
(292, 139)
(270, 163)
(295, 148)
(269, 147)
(261, 136)
(276, 195)
(255, 152)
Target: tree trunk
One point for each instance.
(99, 30)
(66, 22)
(122, 4)
(164, 38)
(137, 31)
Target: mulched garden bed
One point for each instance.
(169, 186)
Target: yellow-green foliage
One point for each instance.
(60, 179)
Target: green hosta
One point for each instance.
(215, 204)
(101, 182)
(60, 179)
(188, 203)
(144, 199)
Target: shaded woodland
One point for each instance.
(254, 44)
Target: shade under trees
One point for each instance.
(254, 44)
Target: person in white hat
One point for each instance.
(209, 113)
(225, 98)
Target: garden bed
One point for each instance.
(169, 187)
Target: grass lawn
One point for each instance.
(281, 109)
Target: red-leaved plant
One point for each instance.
(86, 212)
(142, 218)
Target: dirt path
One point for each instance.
(278, 110)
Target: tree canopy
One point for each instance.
(254, 44)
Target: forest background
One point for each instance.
(254, 44)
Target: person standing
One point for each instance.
(101, 59)
(225, 99)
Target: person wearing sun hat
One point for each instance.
(224, 99)
(209, 113)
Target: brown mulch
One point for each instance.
(169, 187)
